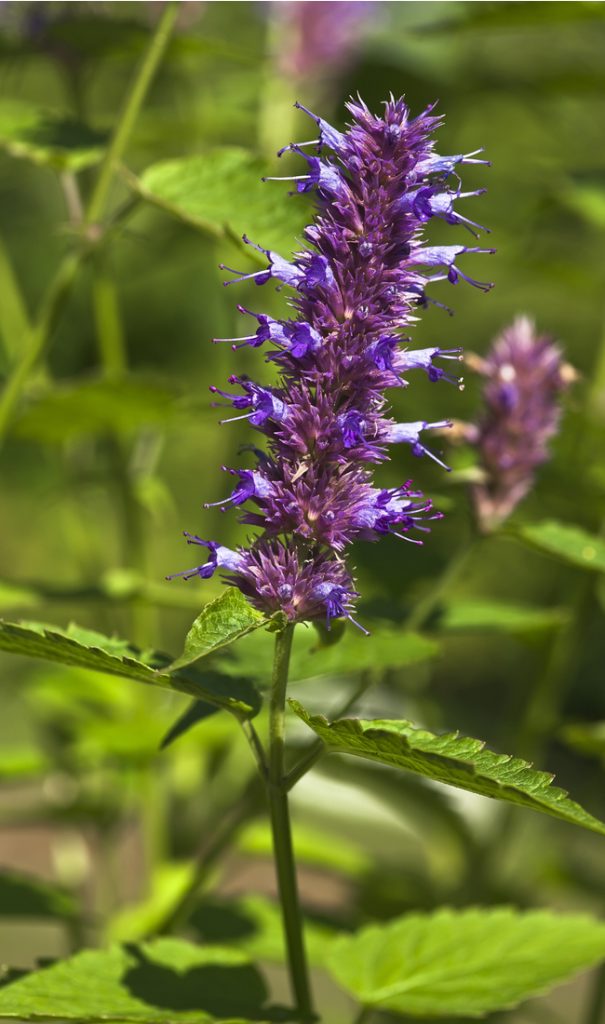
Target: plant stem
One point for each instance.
(61, 284)
(130, 111)
(453, 570)
(282, 833)
(52, 306)
(223, 837)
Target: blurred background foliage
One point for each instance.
(113, 448)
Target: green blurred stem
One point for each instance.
(424, 608)
(596, 1005)
(542, 712)
(52, 307)
(110, 334)
(60, 286)
(15, 326)
(130, 111)
(223, 837)
(283, 851)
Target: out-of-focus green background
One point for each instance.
(99, 479)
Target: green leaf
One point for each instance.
(22, 896)
(15, 596)
(95, 407)
(254, 925)
(197, 711)
(464, 963)
(452, 759)
(499, 617)
(587, 201)
(221, 622)
(387, 647)
(48, 137)
(87, 649)
(163, 982)
(22, 764)
(220, 192)
(569, 543)
(316, 847)
(587, 738)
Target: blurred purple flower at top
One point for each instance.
(525, 378)
(320, 36)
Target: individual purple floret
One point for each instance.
(357, 286)
(525, 377)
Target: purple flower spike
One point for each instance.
(525, 377)
(356, 289)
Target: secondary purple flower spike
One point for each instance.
(357, 287)
(525, 377)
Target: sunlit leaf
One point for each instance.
(221, 192)
(24, 896)
(48, 137)
(22, 764)
(221, 622)
(499, 617)
(587, 201)
(569, 543)
(452, 759)
(87, 649)
(464, 963)
(168, 981)
(316, 847)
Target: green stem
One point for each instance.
(130, 111)
(453, 570)
(62, 282)
(542, 712)
(223, 837)
(596, 1005)
(282, 833)
(52, 306)
(110, 334)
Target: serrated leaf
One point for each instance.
(221, 192)
(221, 622)
(452, 759)
(87, 649)
(464, 963)
(168, 981)
(570, 543)
(95, 407)
(48, 137)
(499, 617)
(23, 896)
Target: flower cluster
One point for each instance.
(357, 286)
(524, 378)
